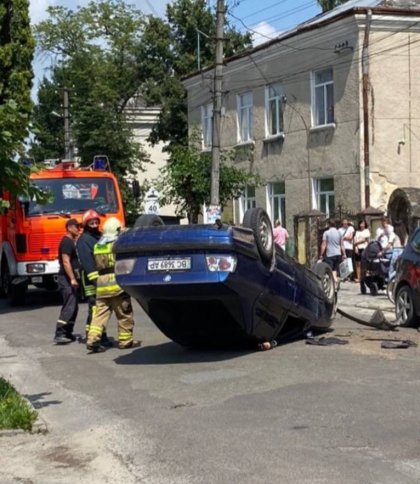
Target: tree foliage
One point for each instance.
(109, 52)
(327, 5)
(185, 20)
(97, 47)
(185, 180)
(16, 53)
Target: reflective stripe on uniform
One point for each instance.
(100, 290)
(92, 275)
(95, 329)
(125, 336)
(102, 249)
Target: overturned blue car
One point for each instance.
(222, 284)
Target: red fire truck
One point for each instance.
(30, 232)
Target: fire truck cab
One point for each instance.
(30, 232)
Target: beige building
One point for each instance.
(141, 120)
(328, 113)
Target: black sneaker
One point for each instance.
(61, 339)
(95, 348)
(106, 342)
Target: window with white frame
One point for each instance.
(244, 102)
(324, 195)
(247, 200)
(322, 97)
(274, 109)
(277, 201)
(207, 124)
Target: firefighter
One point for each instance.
(109, 295)
(85, 244)
(68, 283)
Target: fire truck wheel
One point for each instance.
(15, 293)
(4, 283)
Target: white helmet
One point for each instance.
(111, 227)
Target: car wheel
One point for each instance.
(324, 272)
(258, 220)
(404, 307)
(148, 220)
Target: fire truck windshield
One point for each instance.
(75, 195)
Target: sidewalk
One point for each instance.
(353, 302)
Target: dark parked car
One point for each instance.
(407, 283)
(222, 284)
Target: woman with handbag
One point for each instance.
(360, 241)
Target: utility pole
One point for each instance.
(68, 152)
(217, 105)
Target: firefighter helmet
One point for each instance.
(111, 227)
(90, 215)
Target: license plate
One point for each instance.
(174, 264)
(36, 279)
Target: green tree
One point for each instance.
(16, 53)
(327, 5)
(178, 44)
(97, 47)
(185, 180)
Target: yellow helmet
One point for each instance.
(111, 227)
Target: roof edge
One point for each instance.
(302, 28)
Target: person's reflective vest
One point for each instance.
(105, 262)
(84, 246)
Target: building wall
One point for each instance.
(322, 152)
(395, 106)
(142, 120)
(335, 151)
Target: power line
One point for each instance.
(152, 8)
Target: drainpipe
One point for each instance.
(365, 100)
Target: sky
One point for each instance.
(263, 18)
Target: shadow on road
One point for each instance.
(37, 400)
(171, 353)
(35, 299)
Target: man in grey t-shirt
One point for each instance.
(332, 247)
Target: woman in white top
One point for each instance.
(361, 240)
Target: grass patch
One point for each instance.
(15, 412)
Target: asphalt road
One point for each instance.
(164, 414)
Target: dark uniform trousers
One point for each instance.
(70, 306)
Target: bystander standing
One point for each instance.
(280, 235)
(68, 283)
(332, 248)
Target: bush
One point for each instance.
(15, 412)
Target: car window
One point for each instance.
(415, 243)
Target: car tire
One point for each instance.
(148, 220)
(324, 272)
(404, 307)
(259, 222)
